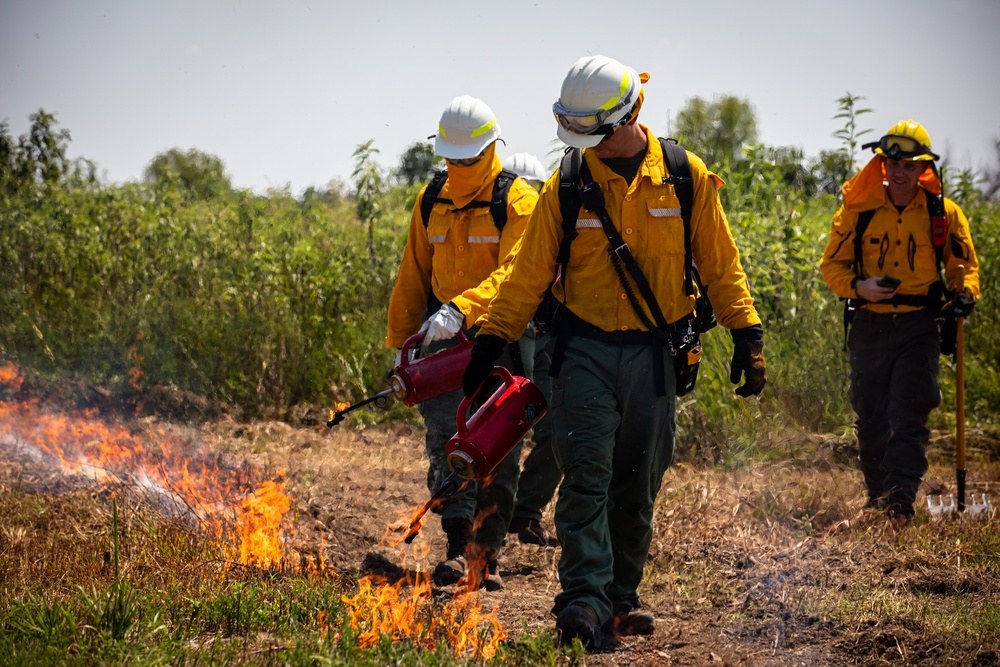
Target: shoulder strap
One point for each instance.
(621, 255)
(679, 170)
(569, 201)
(939, 223)
(497, 203)
(431, 194)
(864, 218)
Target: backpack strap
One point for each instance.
(431, 195)
(679, 170)
(569, 202)
(497, 203)
(864, 219)
(939, 223)
(569, 208)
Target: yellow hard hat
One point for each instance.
(906, 140)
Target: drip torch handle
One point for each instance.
(463, 408)
(415, 340)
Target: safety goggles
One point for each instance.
(590, 122)
(465, 161)
(901, 147)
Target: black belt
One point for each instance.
(570, 324)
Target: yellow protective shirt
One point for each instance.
(894, 243)
(647, 214)
(458, 256)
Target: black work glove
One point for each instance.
(960, 305)
(485, 353)
(748, 360)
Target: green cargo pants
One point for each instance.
(489, 505)
(614, 439)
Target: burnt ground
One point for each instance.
(746, 568)
(771, 564)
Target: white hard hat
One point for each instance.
(466, 128)
(527, 166)
(597, 93)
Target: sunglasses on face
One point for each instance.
(464, 161)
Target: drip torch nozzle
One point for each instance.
(448, 488)
(380, 400)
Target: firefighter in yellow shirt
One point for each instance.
(613, 399)
(885, 246)
(451, 265)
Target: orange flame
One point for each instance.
(10, 377)
(251, 517)
(386, 610)
(246, 512)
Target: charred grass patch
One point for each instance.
(781, 560)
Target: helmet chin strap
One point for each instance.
(609, 129)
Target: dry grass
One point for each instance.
(773, 563)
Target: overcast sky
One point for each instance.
(285, 91)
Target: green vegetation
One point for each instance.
(272, 302)
(277, 304)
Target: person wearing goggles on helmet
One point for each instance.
(886, 245)
(450, 267)
(613, 397)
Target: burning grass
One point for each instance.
(773, 562)
(240, 518)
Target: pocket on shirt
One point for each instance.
(663, 234)
(590, 247)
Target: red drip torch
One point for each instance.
(488, 436)
(417, 380)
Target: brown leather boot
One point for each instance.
(454, 566)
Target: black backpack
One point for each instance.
(679, 170)
(497, 203)
(497, 206)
